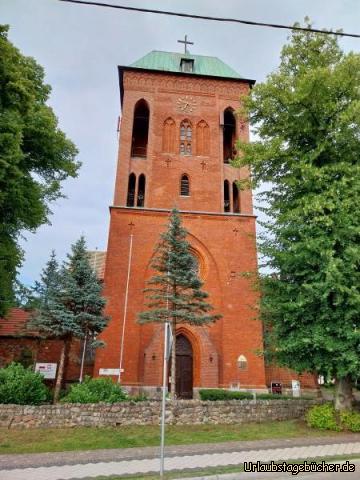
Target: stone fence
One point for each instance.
(180, 412)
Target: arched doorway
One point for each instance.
(184, 367)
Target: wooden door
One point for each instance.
(184, 368)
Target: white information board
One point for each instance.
(110, 371)
(47, 370)
(295, 388)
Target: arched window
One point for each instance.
(140, 130)
(202, 138)
(185, 186)
(229, 134)
(168, 145)
(236, 199)
(185, 138)
(141, 191)
(131, 190)
(226, 196)
(242, 362)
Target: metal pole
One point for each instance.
(163, 405)
(125, 308)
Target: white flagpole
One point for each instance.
(125, 309)
(163, 405)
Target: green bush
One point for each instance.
(95, 390)
(22, 386)
(141, 397)
(218, 394)
(350, 420)
(274, 396)
(323, 417)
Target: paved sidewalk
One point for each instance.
(93, 456)
(237, 453)
(283, 476)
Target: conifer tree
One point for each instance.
(174, 292)
(307, 116)
(52, 319)
(82, 296)
(71, 305)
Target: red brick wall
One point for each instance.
(225, 243)
(275, 373)
(47, 351)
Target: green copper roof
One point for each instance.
(170, 62)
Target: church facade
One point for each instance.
(178, 132)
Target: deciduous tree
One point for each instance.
(35, 158)
(307, 118)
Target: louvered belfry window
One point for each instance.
(184, 186)
(131, 190)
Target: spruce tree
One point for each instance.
(52, 319)
(174, 292)
(307, 117)
(82, 296)
(71, 304)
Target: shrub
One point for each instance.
(218, 394)
(95, 390)
(350, 420)
(22, 386)
(141, 397)
(323, 417)
(274, 396)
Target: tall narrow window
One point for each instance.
(131, 190)
(169, 136)
(184, 186)
(202, 138)
(185, 138)
(229, 133)
(140, 130)
(236, 199)
(226, 196)
(141, 191)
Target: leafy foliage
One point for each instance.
(216, 394)
(22, 386)
(323, 417)
(35, 157)
(350, 420)
(95, 390)
(307, 118)
(219, 394)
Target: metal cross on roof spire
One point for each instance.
(186, 43)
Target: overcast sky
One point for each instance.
(80, 48)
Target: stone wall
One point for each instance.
(180, 412)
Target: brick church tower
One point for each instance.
(178, 131)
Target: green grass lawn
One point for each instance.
(89, 438)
